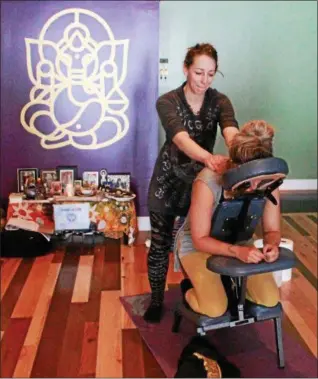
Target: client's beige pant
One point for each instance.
(208, 295)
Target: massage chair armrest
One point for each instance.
(235, 268)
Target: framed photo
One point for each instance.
(48, 176)
(121, 181)
(66, 174)
(56, 188)
(23, 174)
(77, 183)
(91, 177)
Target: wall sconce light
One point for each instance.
(163, 72)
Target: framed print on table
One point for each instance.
(66, 174)
(55, 188)
(23, 174)
(91, 178)
(48, 175)
(121, 181)
(78, 182)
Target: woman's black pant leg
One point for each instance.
(158, 256)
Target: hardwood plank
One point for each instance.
(11, 345)
(111, 276)
(308, 291)
(291, 292)
(303, 249)
(134, 283)
(141, 259)
(36, 279)
(13, 292)
(89, 350)
(127, 254)
(296, 223)
(32, 340)
(126, 321)
(83, 279)
(133, 365)
(292, 221)
(307, 274)
(58, 256)
(93, 308)
(112, 247)
(300, 324)
(70, 356)
(307, 223)
(8, 269)
(109, 355)
(313, 217)
(54, 328)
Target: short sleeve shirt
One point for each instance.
(174, 172)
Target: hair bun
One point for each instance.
(253, 141)
(258, 128)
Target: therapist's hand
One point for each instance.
(217, 163)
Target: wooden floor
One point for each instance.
(61, 315)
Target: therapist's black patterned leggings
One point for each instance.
(158, 256)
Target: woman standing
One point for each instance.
(190, 115)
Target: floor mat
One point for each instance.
(251, 347)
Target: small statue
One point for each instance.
(40, 190)
(30, 188)
(103, 177)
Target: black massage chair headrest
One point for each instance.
(268, 170)
(235, 219)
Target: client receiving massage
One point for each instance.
(194, 244)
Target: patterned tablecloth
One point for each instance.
(113, 218)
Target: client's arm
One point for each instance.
(271, 228)
(201, 211)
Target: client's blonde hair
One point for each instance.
(254, 141)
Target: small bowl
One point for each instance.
(87, 191)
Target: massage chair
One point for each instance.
(235, 220)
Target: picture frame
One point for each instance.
(23, 174)
(78, 182)
(48, 175)
(91, 177)
(55, 188)
(120, 181)
(66, 174)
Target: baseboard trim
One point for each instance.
(299, 185)
(144, 223)
(288, 185)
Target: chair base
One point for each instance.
(260, 312)
(253, 313)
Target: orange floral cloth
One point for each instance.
(113, 218)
